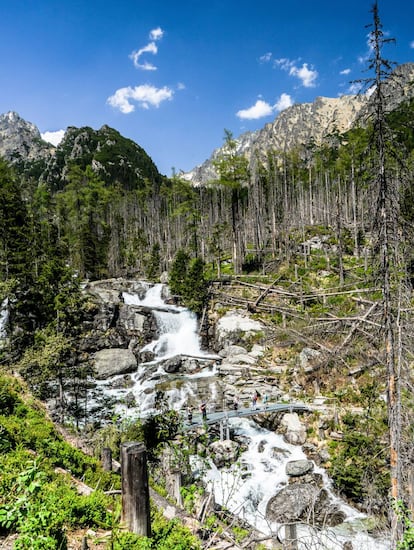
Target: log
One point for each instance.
(135, 488)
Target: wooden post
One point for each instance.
(135, 489)
(176, 486)
(107, 459)
(291, 537)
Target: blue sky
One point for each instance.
(173, 74)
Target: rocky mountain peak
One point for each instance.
(304, 123)
(21, 140)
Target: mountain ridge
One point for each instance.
(313, 122)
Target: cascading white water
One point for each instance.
(4, 317)
(177, 326)
(177, 336)
(246, 488)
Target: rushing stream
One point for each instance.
(247, 486)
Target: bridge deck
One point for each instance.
(216, 417)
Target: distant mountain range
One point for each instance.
(120, 160)
(305, 123)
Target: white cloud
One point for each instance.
(151, 47)
(283, 63)
(305, 74)
(259, 110)
(263, 109)
(283, 102)
(53, 137)
(345, 71)
(145, 95)
(266, 57)
(156, 34)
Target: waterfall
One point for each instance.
(177, 336)
(4, 317)
(246, 487)
(177, 326)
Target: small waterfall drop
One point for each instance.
(4, 317)
(177, 326)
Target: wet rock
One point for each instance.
(224, 453)
(299, 467)
(173, 364)
(122, 383)
(293, 430)
(109, 362)
(130, 400)
(296, 502)
(146, 356)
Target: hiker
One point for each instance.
(236, 403)
(265, 400)
(254, 400)
(190, 414)
(203, 409)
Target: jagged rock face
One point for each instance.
(20, 140)
(204, 173)
(299, 124)
(114, 158)
(308, 123)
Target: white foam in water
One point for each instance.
(246, 487)
(4, 317)
(177, 326)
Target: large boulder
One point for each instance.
(236, 327)
(224, 453)
(109, 362)
(294, 432)
(299, 501)
(296, 468)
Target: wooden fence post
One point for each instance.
(135, 488)
(107, 459)
(291, 537)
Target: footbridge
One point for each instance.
(222, 417)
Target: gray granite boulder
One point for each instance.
(109, 362)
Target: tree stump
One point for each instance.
(135, 488)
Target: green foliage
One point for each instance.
(152, 263)
(190, 494)
(187, 280)
(166, 535)
(404, 515)
(359, 464)
(15, 246)
(35, 502)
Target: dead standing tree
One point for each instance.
(387, 247)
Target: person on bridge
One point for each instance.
(254, 400)
(190, 414)
(203, 409)
(236, 403)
